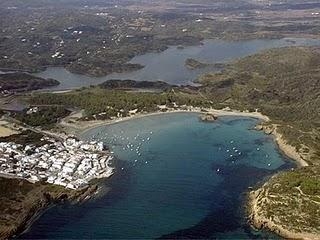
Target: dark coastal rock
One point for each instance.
(208, 117)
(192, 64)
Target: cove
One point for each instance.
(169, 65)
(176, 177)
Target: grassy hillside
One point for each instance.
(291, 200)
(282, 83)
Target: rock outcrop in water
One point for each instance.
(208, 117)
(192, 64)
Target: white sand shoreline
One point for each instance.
(219, 113)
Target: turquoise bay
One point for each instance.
(176, 177)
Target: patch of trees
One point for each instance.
(22, 82)
(45, 116)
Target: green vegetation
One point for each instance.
(25, 137)
(24, 82)
(113, 102)
(306, 179)
(44, 116)
(132, 84)
(292, 200)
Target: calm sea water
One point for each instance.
(169, 65)
(176, 177)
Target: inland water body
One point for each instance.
(169, 65)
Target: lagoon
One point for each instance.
(176, 177)
(169, 65)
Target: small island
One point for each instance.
(192, 64)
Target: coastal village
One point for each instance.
(69, 163)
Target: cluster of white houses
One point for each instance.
(70, 163)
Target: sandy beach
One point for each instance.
(82, 126)
(287, 149)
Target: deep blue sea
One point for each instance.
(176, 177)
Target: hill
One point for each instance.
(283, 84)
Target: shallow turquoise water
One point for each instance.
(177, 177)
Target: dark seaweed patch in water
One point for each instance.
(262, 141)
(235, 120)
(227, 212)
